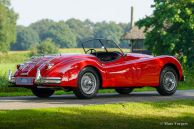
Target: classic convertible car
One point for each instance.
(104, 65)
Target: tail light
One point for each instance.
(20, 66)
(49, 66)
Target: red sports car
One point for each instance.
(104, 65)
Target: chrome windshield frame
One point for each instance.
(100, 41)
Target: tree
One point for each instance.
(45, 47)
(82, 30)
(170, 30)
(26, 37)
(7, 25)
(42, 27)
(62, 35)
(108, 31)
(125, 27)
(59, 32)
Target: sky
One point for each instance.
(96, 10)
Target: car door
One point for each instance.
(119, 73)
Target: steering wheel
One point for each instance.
(91, 51)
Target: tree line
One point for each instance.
(66, 34)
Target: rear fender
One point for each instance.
(173, 62)
(70, 70)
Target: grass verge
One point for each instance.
(146, 115)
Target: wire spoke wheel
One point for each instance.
(169, 81)
(88, 83)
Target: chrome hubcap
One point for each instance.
(88, 83)
(169, 81)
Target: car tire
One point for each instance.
(88, 84)
(42, 92)
(124, 90)
(168, 81)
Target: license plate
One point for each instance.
(24, 81)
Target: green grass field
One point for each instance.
(133, 115)
(11, 59)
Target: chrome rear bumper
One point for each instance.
(38, 80)
(48, 80)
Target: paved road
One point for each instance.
(29, 102)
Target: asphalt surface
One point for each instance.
(30, 102)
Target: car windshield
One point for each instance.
(101, 45)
